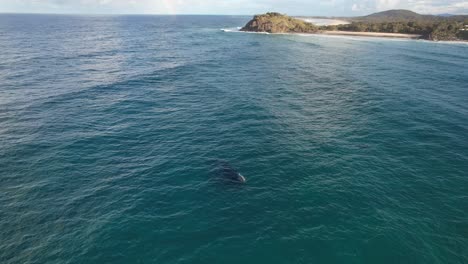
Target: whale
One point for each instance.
(229, 173)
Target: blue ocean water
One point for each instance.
(355, 150)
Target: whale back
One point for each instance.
(229, 173)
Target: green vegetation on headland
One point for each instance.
(408, 22)
(278, 23)
(393, 21)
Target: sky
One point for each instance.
(232, 7)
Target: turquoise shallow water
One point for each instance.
(355, 150)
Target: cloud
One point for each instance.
(294, 7)
(439, 7)
(387, 4)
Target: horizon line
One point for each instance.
(189, 14)
(116, 14)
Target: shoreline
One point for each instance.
(355, 34)
(324, 21)
(343, 33)
(370, 34)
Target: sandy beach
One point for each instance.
(371, 34)
(323, 21)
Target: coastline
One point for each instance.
(371, 34)
(342, 33)
(324, 21)
(356, 34)
(430, 28)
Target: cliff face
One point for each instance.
(278, 23)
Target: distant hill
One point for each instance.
(445, 15)
(397, 15)
(401, 15)
(394, 14)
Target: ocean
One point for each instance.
(355, 149)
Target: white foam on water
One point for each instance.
(237, 30)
